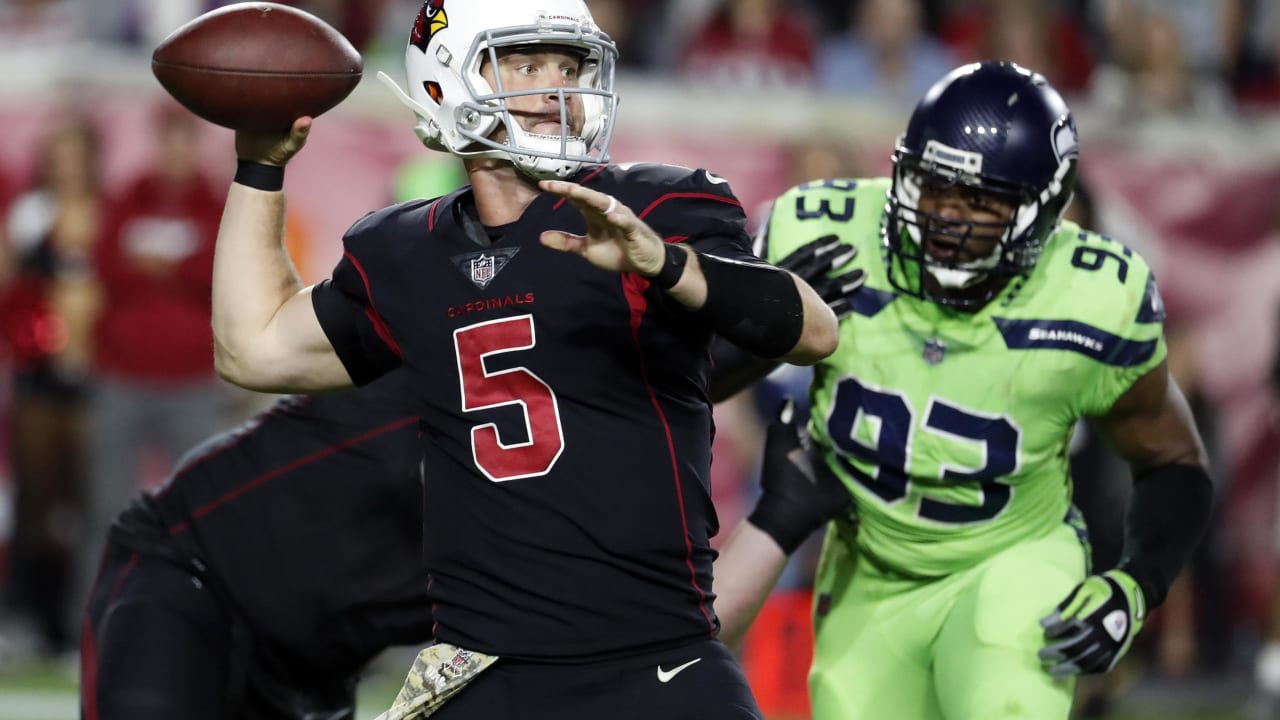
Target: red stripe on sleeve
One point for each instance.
(687, 196)
(371, 311)
(431, 214)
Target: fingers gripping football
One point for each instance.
(616, 239)
(273, 148)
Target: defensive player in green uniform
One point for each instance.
(958, 586)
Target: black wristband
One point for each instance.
(672, 267)
(259, 176)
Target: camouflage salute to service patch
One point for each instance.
(438, 673)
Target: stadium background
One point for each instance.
(1195, 192)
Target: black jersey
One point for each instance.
(309, 519)
(568, 432)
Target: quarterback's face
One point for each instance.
(535, 69)
(986, 214)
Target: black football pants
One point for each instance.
(701, 681)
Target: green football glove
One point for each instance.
(1094, 627)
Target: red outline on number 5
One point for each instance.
(481, 390)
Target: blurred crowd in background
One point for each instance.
(108, 211)
(1203, 56)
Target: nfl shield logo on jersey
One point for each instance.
(934, 351)
(482, 270)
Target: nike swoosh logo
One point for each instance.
(665, 676)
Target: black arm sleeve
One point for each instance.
(1168, 515)
(752, 304)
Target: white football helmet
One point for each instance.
(457, 109)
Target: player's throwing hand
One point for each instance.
(271, 148)
(616, 239)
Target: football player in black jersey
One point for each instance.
(554, 318)
(270, 567)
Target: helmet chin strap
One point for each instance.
(542, 167)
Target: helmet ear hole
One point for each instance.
(434, 91)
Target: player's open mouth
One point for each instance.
(942, 248)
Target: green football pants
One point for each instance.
(960, 647)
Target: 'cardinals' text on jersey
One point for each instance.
(566, 428)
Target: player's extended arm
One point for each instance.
(764, 310)
(1152, 428)
(797, 498)
(266, 335)
(734, 369)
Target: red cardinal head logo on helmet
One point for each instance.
(431, 20)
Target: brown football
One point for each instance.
(257, 66)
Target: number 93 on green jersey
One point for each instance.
(951, 428)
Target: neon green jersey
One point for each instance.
(951, 428)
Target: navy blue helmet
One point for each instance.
(1000, 131)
